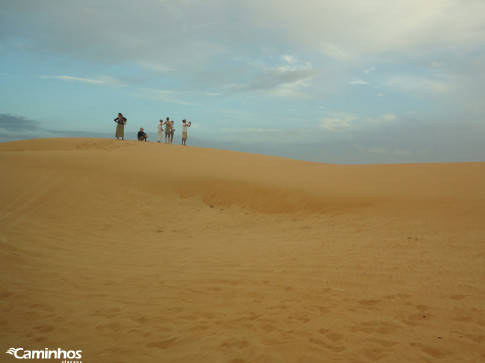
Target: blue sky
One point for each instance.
(350, 81)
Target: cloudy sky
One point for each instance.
(351, 81)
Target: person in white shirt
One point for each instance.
(172, 132)
(160, 130)
(184, 131)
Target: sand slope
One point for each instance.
(145, 252)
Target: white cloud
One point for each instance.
(340, 122)
(74, 79)
(334, 124)
(383, 119)
(210, 94)
(290, 59)
(291, 63)
(181, 31)
(159, 67)
(346, 122)
(354, 29)
(358, 81)
(438, 64)
(418, 84)
(292, 89)
(246, 131)
(190, 98)
(282, 76)
(335, 51)
(377, 150)
(201, 40)
(102, 80)
(168, 96)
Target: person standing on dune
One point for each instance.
(168, 128)
(160, 130)
(120, 126)
(172, 131)
(184, 131)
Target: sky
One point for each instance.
(344, 82)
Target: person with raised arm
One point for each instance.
(184, 131)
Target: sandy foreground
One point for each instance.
(145, 252)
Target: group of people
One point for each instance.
(164, 128)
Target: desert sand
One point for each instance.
(144, 252)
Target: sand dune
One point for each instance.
(145, 252)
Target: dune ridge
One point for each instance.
(145, 252)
